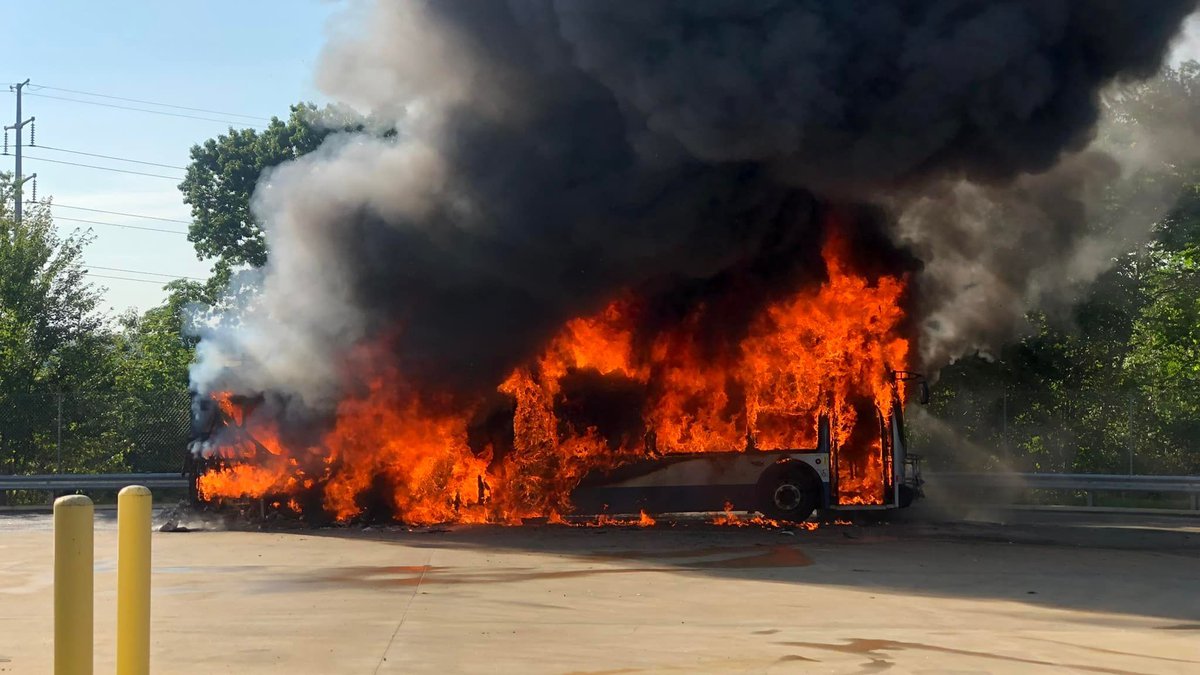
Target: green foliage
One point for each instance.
(77, 392)
(51, 336)
(155, 350)
(221, 180)
(113, 394)
(151, 377)
(1121, 373)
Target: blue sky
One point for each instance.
(251, 58)
(246, 57)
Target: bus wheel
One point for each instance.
(787, 493)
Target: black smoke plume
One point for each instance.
(551, 154)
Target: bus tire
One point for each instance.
(788, 491)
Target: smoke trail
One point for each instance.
(552, 153)
(995, 252)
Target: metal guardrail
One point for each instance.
(68, 482)
(1073, 481)
(1087, 483)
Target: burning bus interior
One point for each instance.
(745, 364)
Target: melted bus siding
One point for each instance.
(782, 484)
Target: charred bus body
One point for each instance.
(781, 484)
(786, 484)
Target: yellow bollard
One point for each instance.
(73, 585)
(133, 581)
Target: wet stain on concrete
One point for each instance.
(617, 671)
(754, 555)
(788, 658)
(876, 666)
(392, 575)
(727, 557)
(872, 648)
(778, 556)
(704, 552)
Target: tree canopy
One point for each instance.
(47, 307)
(51, 335)
(222, 176)
(79, 391)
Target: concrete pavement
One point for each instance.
(917, 597)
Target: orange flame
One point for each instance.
(727, 517)
(730, 519)
(823, 350)
(233, 411)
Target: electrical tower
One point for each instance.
(19, 183)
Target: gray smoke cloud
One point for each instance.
(993, 253)
(550, 153)
(996, 252)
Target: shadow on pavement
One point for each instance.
(1143, 568)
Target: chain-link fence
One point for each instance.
(94, 432)
(1050, 429)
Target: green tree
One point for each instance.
(1164, 365)
(1163, 362)
(156, 350)
(221, 180)
(52, 338)
(150, 382)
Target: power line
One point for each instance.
(105, 168)
(153, 274)
(109, 276)
(119, 159)
(144, 102)
(114, 213)
(128, 227)
(145, 110)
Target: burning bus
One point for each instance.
(621, 411)
(784, 484)
(588, 256)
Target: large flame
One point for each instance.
(823, 350)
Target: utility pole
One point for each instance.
(18, 127)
